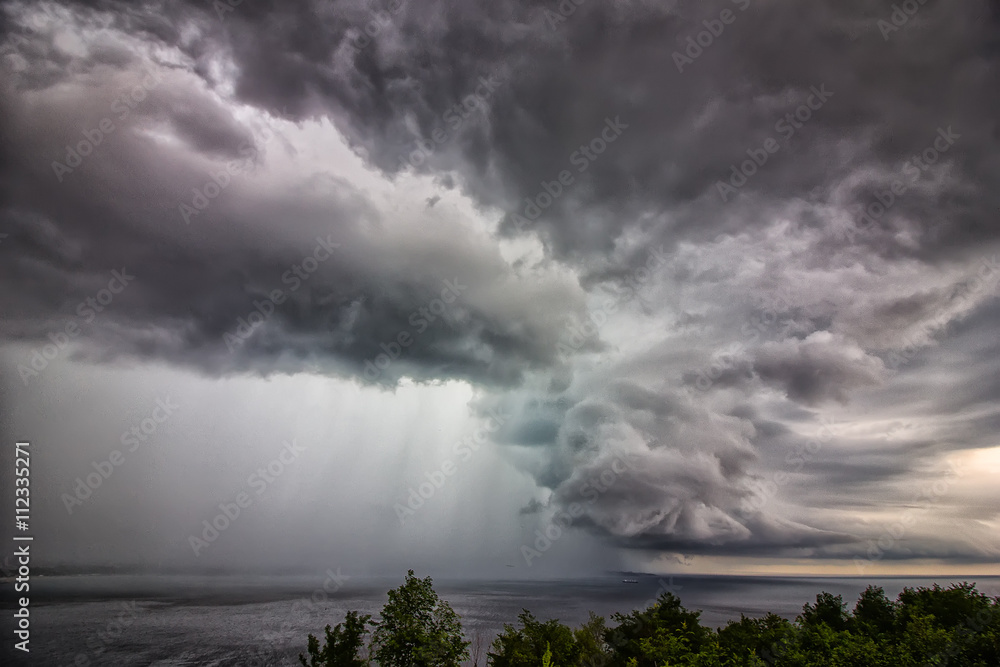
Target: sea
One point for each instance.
(258, 621)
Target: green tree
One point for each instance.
(752, 640)
(956, 625)
(829, 609)
(590, 641)
(667, 626)
(925, 626)
(951, 607)
(526, 646)
(343, 644)
(874, 614)
(418, 629)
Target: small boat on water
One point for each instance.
(630, 581)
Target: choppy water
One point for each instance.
(256, 621)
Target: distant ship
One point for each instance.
(630, 581)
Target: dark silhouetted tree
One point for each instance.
(343, 644)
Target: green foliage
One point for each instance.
(665, 628)
(343, 644)
(547, 657)
(829, 609)
(590, 641)
(526, 646)
(957, 626)
(951, 607)
(418, 629)
(752, 640)
(874, 614)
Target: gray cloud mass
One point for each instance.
(784, 354)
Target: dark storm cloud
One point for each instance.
(816, 369)
(747, 159)
(761, 539)
(200, 271)
(683, 136)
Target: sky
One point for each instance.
(503, 289)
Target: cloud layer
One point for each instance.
(746, 246)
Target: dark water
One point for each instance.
(256, 621)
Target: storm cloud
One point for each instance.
(737, 258)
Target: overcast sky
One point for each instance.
(504, 288)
